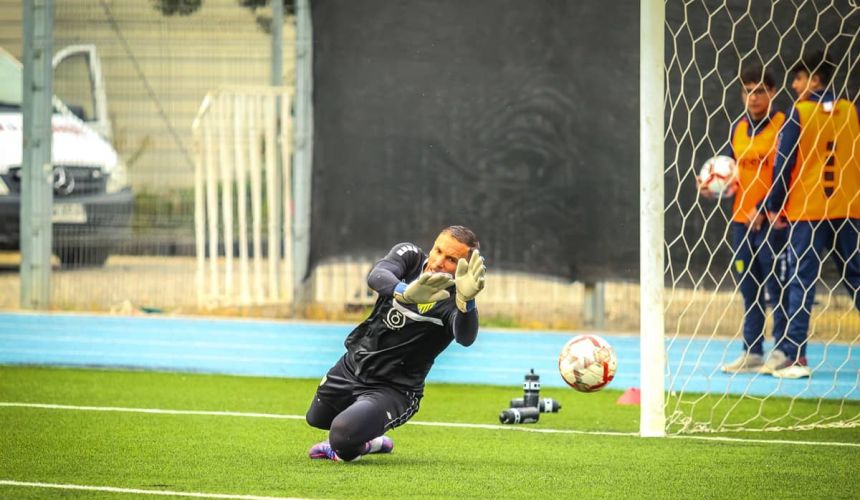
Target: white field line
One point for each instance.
(158, 411)
(538, 430)
(135, 491)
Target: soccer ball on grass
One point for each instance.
(587, 363)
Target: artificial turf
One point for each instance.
(267, 456)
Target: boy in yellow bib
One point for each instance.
(816, 189)
(756, 247)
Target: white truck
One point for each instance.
(93, 203)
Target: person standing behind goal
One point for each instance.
(755, 245)
(816, 188)
(425, 302)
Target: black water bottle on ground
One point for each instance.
(519, 415)
(545, 405)
(531, 390)
(549, 405)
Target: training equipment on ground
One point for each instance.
(527, 409)
(719, 175)
(544, 405)
(525, 415)
(531, 389)
(428, 288)
(587, 363)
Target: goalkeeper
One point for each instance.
(425, 302)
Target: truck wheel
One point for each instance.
(83, 257)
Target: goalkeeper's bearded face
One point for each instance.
(446, 251)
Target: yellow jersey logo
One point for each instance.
(423, 308)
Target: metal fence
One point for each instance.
(202, 141)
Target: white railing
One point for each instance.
(242, 162)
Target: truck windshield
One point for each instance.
(11, 76)
(10, 81)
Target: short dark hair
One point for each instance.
(815, 62)
(755, 72)
(465, 236)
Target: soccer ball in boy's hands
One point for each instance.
(587, 363)
(719, 176)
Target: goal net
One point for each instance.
(707, 43)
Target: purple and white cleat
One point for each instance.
(381, 444)
(322, 451)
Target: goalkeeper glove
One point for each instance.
(469, 280)
(429, 287)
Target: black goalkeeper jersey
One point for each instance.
(398, 343)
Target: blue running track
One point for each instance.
(293, 349)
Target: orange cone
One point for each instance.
(630, 397)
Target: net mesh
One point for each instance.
(707, 45)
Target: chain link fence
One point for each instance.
(134, 78)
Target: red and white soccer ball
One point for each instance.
(719, 175)
(587, 363)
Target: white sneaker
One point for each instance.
(775, 361)
(798, 369)
(745, 363)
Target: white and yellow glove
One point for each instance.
(469, 279)
(429, 287)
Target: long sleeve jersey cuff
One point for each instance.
(465, 327)
(383, 280)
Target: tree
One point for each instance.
(264, 18)
(180, 7)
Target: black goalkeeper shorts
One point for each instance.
(339, 390)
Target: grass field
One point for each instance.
(246, 453)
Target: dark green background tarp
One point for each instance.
(520, 120)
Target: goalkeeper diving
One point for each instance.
(425, 301)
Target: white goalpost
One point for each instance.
(652, 422)
(692, 310)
